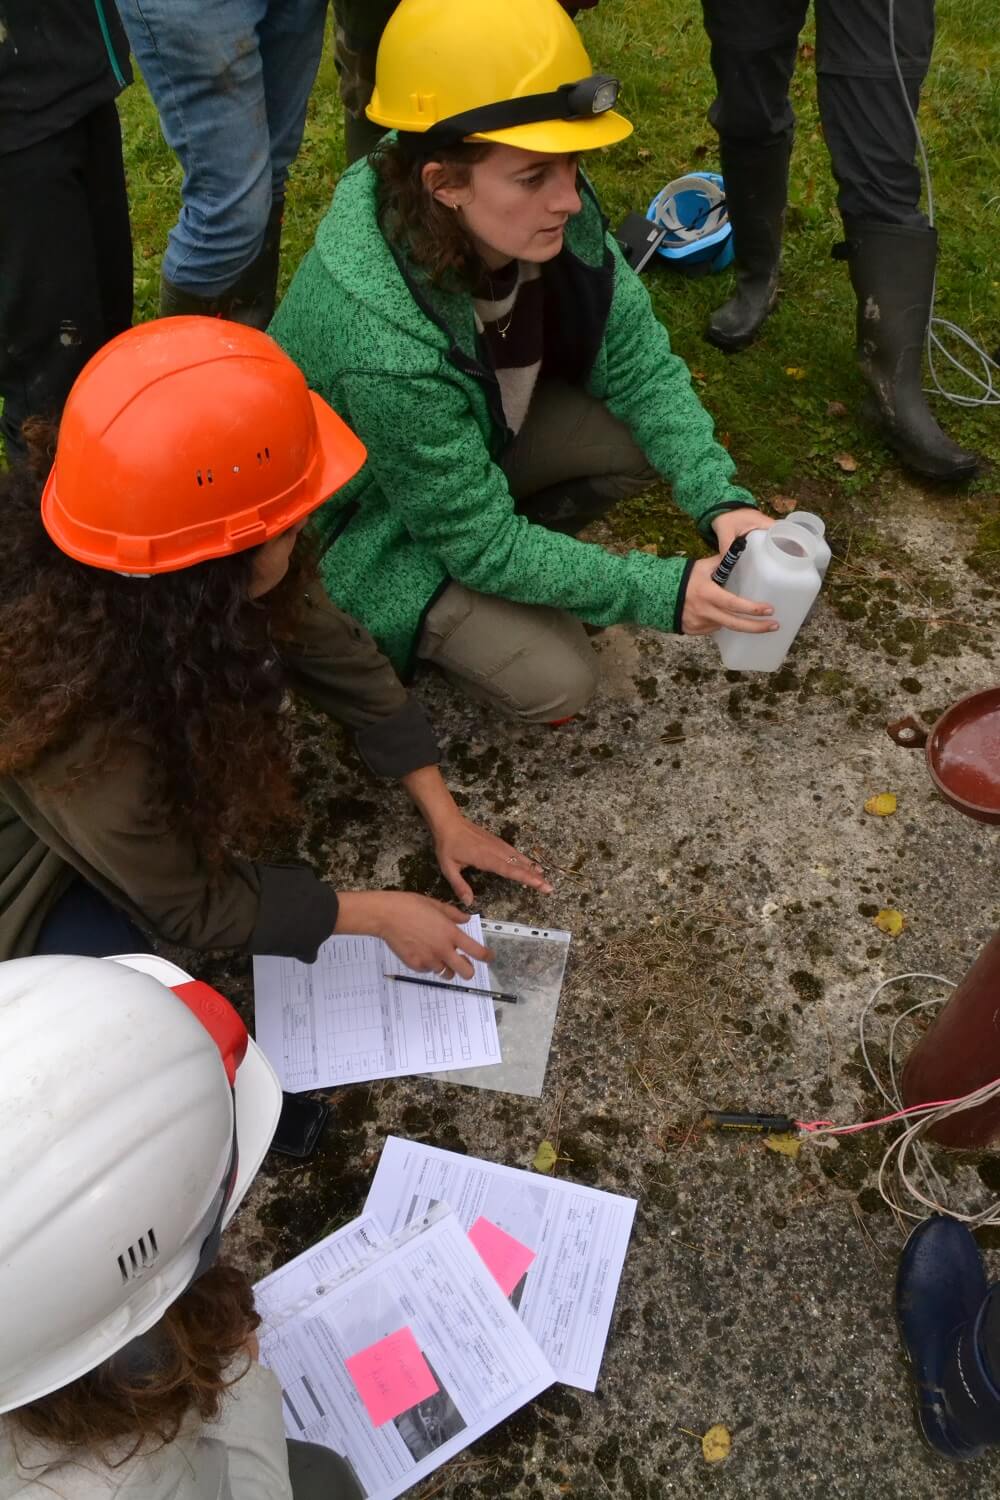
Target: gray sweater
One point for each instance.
(242, 1456)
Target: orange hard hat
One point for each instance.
(186, 439)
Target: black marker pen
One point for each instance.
(730, 560)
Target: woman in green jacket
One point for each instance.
(153, 610)
(465, 310)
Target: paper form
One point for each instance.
(579, 1235)
(426, 1288)
(310, 1275)
(339, 1020)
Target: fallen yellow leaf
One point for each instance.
(652, 548)
(847, 462)
(545, 1157)
(783, 504)
(716, 1444)
(890, 921)
(795, 372)
(785, 1144)
(883, 805)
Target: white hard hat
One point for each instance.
(118, 1142)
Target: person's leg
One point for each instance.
(359, 27)
(291, 45)
(110, 230)
(318, 1473)
(753, 51)
(890, 248)
(85, 922)
(573, 459)
(52, 312)
(526, 660)
(203, 67)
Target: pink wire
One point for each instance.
(809, 1126)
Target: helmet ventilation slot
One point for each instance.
(206, 479)
(138, 1257)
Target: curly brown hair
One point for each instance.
(192, 1346)
(183, 661)
(412, 218)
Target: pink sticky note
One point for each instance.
(391, 1376)
(504, 1256)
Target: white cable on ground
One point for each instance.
(988, 390)
(895, 1180)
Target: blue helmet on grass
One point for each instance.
(692, 210)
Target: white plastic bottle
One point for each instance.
(778, 568)
(817, 526)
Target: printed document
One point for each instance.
(407, 1361)
(579, 1235)
(298, 1283)
(339, 1020)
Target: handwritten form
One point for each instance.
(339, 1020)
(405, 1362)
(566, 1293)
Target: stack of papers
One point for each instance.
(462, 1291)
(340, 1020)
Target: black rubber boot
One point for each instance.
(251, 299)
(756, 180)
(892, 272)
(949, 1319)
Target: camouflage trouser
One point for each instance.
(359, 27)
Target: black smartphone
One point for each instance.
(299, 1125)
(638, 239)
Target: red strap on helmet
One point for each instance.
(220, 1020)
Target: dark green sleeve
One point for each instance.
(334, 662)
(109, 829)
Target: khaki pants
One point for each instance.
(571, 461)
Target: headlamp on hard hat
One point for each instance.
(591, 96)
(571, 101)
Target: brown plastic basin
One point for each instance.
(963, 752)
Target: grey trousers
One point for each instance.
(320, 1474)
(866, 125)
(571, 461)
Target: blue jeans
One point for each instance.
(231, 82)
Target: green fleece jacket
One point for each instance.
(400, 360)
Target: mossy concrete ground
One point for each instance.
(719, 875)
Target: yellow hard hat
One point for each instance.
(511, 71)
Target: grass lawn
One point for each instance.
(775, 422)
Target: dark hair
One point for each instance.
(412, 218)
(192, 1345)
(179, 660)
